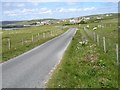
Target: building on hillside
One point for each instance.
(74, 21)
(46, 22)
(98, 18)
(108, 15)
(87, 18)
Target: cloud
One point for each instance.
(28, 11)
(7, 4)
(40, 11)
(10, 13)
(43, 0)
(72, 0)
(62, 10)
(35, 3)
(71, 3)
(20, 5)
(60, 0)
(89, 9)
(25, 11)
(48, 12)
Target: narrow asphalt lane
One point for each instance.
(33, 68)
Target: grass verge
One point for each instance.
(25, 39)
(85, 66)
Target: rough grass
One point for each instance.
(21, 40)
(87, 66)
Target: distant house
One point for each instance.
(38, 22)
(108, 15)
(99, 18)
(46, 22)
(74, 21)
(26, 25)
(42, 23)
(64, 20)
(87, 18)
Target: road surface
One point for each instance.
(33, 69)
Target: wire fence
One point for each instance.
(104, 43)
(15, 42)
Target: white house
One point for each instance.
(74, 21)
(99, 18)
(38, 22)
(87, 18)
(46, 22)
(108, 15)
(26, 25)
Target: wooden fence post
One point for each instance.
(32, 38)
(84, 28)
(110, 25)
(117, 50)
(51, 33)
(9, 43)
(98, 40)
(94, 36)
(43, 35)
(104, 44)
(38, 36)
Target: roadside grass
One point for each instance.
(21, 40)
(87, 66)
(109, 31)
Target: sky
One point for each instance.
(58, 10)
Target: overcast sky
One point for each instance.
(59, 10)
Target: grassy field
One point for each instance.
(87, 65)
(22, 40)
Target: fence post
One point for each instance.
(98, 40)
(104, 44)
(43, 35)
(110, 25)
(94, 37)
(38, 36)
(117, 54)
(51, 33)
(84, 28)
(9, 43)
(32, 38)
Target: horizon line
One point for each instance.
(62, 18)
